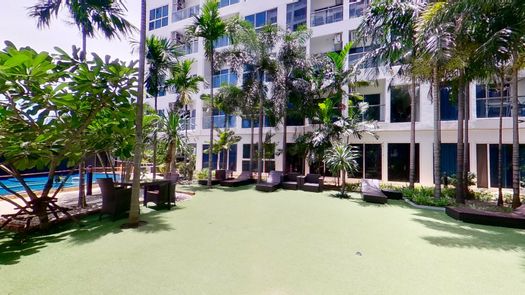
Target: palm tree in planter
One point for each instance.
(390, 25)
(341, 158)
(184, 84)
(161, 54)
(210, 26)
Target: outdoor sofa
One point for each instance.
(220, 175)
(311, 182)
(290, 181)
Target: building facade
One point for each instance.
(333, 24)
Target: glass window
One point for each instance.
(260, 19)
(399, 161)
(400, 104)
(488, 101)
(158, 18)
(263, 18)
(369, 159)
(448, 158)
(374, 107)
(449, 109)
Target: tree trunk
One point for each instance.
(155, 140)
(437, 134)
(210, 155)
(134, 212)
(173, 162)
(460, 191)
(466, 149)
(186, 136)
(251, 144)
(83, 56)
(343, 185)
(285, 135)
(81, 185)
(261, 125)
(413, 114)
(516, 202)
(500, 143)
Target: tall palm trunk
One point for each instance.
(466, 149)
(437, 134)
(155, 140)
(81, 180)
(460, 191)
(186, 136)
(500, 143)
(137, 152)
(261, 124)
(252, 135)
(210, 154)
(285, 126)
(413, 113)
(516, 202)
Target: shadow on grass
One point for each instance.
(14, 247)
(465, 235)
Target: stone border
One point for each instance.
(433, 208)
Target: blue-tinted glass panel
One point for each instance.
(449, 110)
(251, 19)
(260, 19)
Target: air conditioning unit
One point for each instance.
(180, 4)
(177, 37)
(338, 41)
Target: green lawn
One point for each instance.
(239, 241)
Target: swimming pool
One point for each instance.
(37, 182)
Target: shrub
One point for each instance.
(483, 195)
(203, 174)
(471, 179)
(425, 196)
(353, 187)
(392, 187)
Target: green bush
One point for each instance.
(391, 187)
(471, 179)
(425, 196)
(484, 196)
(203, 174)
(353, 187)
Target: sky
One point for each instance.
(17, 27)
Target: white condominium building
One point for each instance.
(333, 23)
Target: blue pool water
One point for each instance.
(37, 182)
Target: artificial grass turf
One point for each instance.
(240, 241)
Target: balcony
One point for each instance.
(489, 107)
(327, 16)
(185, 13)
(189, 48)
(358, 8)
(219, 121)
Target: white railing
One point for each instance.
(188, 48)
(185, 13)
(327, 16)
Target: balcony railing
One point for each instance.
(185, 13)
(189, 48)
(327, 16)
(375, 112)
(219, 121)
(189, 123)
(224, 3)
(489, 107)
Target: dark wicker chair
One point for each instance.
(159, 194)
(371, 191)
(115, 200)
(272, 183)
(244, 179)
(311, 183)
(290, 181)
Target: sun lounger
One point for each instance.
(372, 192)
(272, 183)
(244, 179)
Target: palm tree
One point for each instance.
(105, 16)
(134, 212)
(185, 85)
(291, 58)
(210, 26)
(391, 27)
(341, 158)
(254, 50)
(161, 54)
(172, 126)
(225, 140)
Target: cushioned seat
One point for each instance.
(290, 181)
(371, 191)
(272, 183)
(311, 182)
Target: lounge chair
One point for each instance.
(290, 181)
(272, 183)
(311, 182)
(243, 179)
(115, 200)
(372, 192)
(220, 175)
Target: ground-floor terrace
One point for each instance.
(240, 241)
(385, 157)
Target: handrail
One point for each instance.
(185, 13)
